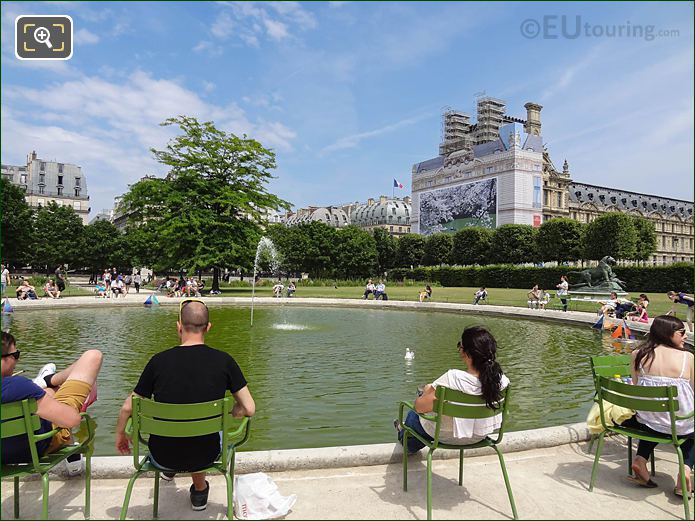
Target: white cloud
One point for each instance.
(223, 26)
(108, 126)
(85, 37)
(276, 30)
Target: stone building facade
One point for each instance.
(45, 181)
(529, 188)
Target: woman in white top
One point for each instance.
(664, 360)
(477, 349)
(562, 290)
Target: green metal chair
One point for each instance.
(184, 421)
(651, 399)
(20, 418)
(610, 366)
(456, 404)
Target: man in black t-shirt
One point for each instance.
(191, 372)
(60, 278)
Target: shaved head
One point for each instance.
(194, 317)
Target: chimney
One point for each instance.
(370, 201)
(382, 199)
(533, 118)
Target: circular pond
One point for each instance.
(323, 376)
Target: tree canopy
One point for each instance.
(471, 245)
(514, 244)
(57, 237)
(16, 225)
(611, 234)
(560, 240)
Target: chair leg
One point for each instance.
(653, 460)
(16, 497)
(599, 448)
(506, 481)
(44, 502)
(461, 468)
(591, 442)
(128, 492)
(629, 455)
(684, 487)
(88, 486)
(405, 460)
(429, 484)
(230, 495)
(155, 503)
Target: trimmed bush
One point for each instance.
(677, 277)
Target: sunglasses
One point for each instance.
(188, 301)
(681, 331)
(15, 355)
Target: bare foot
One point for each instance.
(639, 468)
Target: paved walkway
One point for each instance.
(549, 483)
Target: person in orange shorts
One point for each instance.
(59, 396)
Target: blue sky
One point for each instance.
(350, 94)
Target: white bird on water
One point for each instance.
(409, 355)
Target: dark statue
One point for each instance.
(599, 279)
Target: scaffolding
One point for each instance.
(456, 132)
(490, 119)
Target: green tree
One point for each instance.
(438, 247)
(386, 247)
(206, 212)
(16, 225)
(411, 249)
(471, 245)
(355, 253)
(613, 234)
(646, 238)
(57, 237)
(560, 240)
(514, 244)
(101, 240)
(319, 256)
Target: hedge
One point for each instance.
(677, 276)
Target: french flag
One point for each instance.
(396, 184)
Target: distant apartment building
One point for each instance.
(44, 181)
(497, 171)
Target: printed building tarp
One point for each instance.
(450, 209)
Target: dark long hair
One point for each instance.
(479, 344)
(660, 334)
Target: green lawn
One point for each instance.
(659, 303)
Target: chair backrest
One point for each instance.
(20, 418)
(180, 420)
(457, 404)
(609, 366)
(648, 399)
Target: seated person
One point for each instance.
(380, 291)
(277, 289)
(479, 295)
(51, 290)
(545, 298)
(624, 308)
(425, 293)
(369, 289)
(608, 306)
(640, 313)
(192, 372)
(59, 396)
(194, 287)
(100, 290)
(291, 288)
(534, 297)
(26, 291)
(483, 377)
(118, 287)
(664, 359)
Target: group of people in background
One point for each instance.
(183, 287)
(113, 284)
(378, 290)
(279, 287)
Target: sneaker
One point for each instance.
(199, 500)
(40, 379)
(167, 476)
(74, 465)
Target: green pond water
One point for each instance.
(322, 376)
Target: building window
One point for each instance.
(77, 194)
(60, 190)
(42, 178)
(41, 189)
(76, 205)
(390, 228)
(559, 200)
(60, 179)
(675, 243)
(536, 192)
(60, 168)
(545, 197)
(42, 166)
(77, 182)
(489, 169)
(23, 179)
(663, 241)
(400, 228)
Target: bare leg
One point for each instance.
(639, 467)
(85, 369)
(687, 479)
(198, 481)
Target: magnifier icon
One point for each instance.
(43, 35)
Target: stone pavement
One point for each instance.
(548, 483)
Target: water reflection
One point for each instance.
(324, 376)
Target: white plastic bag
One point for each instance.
(256, 496)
